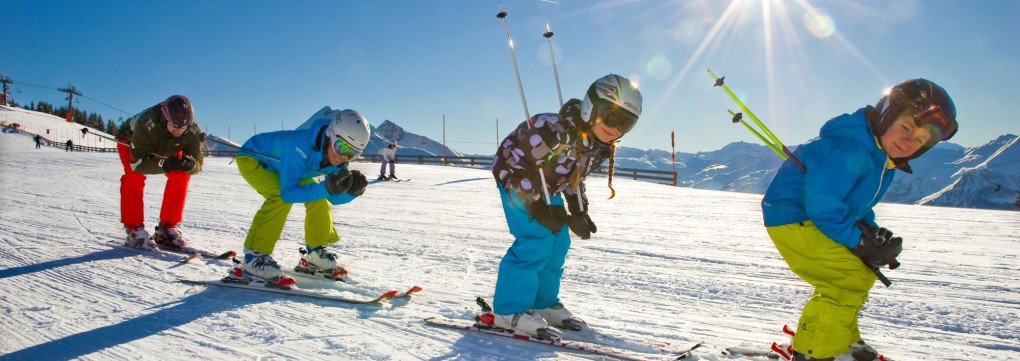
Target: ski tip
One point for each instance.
(388, 295)
(414, 289)
(191, 257)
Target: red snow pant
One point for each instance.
(132, 194)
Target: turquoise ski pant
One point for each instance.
(530, 272)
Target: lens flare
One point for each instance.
(820, 25)
(659, 67)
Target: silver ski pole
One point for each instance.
(520, 88)
(556, 75)
(559, 93)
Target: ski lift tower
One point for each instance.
(3, 96)
(71, 92)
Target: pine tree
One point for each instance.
(1018, 199)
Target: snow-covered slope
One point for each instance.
(678, 264)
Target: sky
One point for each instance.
(442, 69)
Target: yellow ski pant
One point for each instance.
(269, 220)
(828, 324)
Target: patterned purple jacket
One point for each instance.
(558, 144)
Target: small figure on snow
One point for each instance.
(164, 139)
(822, 220)
(38, 141)
(68, 147)
(389, 156)
(565, 147)
(283, 167)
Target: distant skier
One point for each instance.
(38, 141)
(68, 146)
(811, 215)
(283, 167)
(163, 139)
(389, 156)
(566, 147)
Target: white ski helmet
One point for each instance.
(351, 127)
(612, 99)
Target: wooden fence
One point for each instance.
(657, 176)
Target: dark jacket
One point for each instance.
(556, 143)
(148, 135)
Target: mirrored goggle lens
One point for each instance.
(617, 118)
(343, 148)
(926, 114)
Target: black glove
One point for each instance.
(552, 217)
(184, 164)
(579, 221)
(358, 182)
(878, 247)
(338, 182)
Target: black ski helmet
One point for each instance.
(177, 110)
(927, 102)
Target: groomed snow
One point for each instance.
(675, 264)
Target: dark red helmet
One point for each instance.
(177, 111)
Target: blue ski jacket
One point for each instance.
(299, 160)
(847, 174)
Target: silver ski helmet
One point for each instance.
(613, 100)
(348, 132)
(927, 102)
(177, 111)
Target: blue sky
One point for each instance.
(265, 65)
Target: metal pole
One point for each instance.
(520, 87)
(548, 35)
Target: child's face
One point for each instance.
(606, 133)
(904, 137)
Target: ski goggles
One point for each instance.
(930, 115)
(345, 149)
(614, 116)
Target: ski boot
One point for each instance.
(392, 177)
(559, 316)
(382, 177)
(528, 323)
(320, 261)
(259, 267)
(138, 237)
(168, 235)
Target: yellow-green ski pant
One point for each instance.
(269, 220)
(828, 324)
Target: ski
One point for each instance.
(749, 352)
(579, 346)
(777, 351)
(262, 286)
(190, 252)
(587, 332)
(410, 291)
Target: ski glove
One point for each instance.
(552, 217)
(339, 182)
(878, 247)
(579, 221)
(184, 164)
(358, 183)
